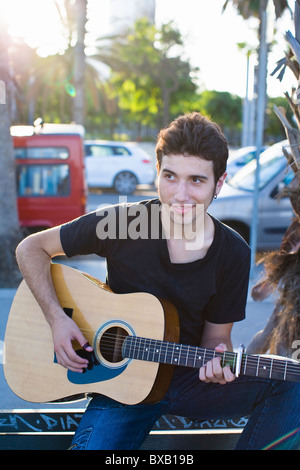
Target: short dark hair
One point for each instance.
(194, 135)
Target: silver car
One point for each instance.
(234, 205)
(239, 158)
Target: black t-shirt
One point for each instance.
(131, 239)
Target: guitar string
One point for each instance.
(278, 365)
(111, 342)
(282, 369)
(192, 361)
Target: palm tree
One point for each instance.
(79, 62)
(9, 223)
(248, 8)
(65, 83)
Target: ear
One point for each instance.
(220, 183)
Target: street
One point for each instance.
(105, 197)
(257, 313)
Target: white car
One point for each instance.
(118, 165)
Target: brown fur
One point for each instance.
(282, 274)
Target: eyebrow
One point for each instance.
(203, 177)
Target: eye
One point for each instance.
(169, 176)
(196, 180)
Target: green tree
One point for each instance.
(273, 129)
(225, 109)
(152, 73)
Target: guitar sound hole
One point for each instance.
(111, 344)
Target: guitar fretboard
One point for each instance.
(146, 349)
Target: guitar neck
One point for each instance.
(146, 349)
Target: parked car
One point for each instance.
(117, 165)
(234, 205)
(239, 158)
(49, 164)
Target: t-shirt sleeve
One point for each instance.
(81, 236)
(229, 303)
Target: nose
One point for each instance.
(181, 193)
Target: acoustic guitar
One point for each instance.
(134, 339)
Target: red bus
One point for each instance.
(50, 174)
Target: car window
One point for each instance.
(121, 151)
(43, 180)
(100, 150)
(40, 153)
(246, 159)
(106, 150)
(269, 168)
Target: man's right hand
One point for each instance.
(64, 332)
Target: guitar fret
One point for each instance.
(147, 348)
(195, 357)
(153, 353)
(271, 368)
(203, 362)
(285, 369)
(191, 356)
(132, 347)
(171, 360)
(245, 365)
(187, 356)
(139, 347)
(180, 350)
(257, 366)
(166, 350)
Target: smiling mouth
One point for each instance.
(182, 208)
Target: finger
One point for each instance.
(221, 347)
(70, 359)
(202, 373)
(81, 339)
(64, 360)
(214, 371)
(217, 368)
(228, 375)
(210, 372)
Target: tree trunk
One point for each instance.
(10, 233)
(79, 63)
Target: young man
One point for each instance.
(172, 248)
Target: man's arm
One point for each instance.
(34, 256)
(216, 336)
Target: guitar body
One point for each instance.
(30, 365)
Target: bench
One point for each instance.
(53, 429)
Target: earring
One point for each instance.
(215, 196)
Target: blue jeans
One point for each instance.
(273, 406)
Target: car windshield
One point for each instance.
(272, 161)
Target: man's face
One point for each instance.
(186, 186)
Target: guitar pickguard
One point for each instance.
(106, 368)
(95, 371)
(98, 373)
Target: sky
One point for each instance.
(210, 37)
